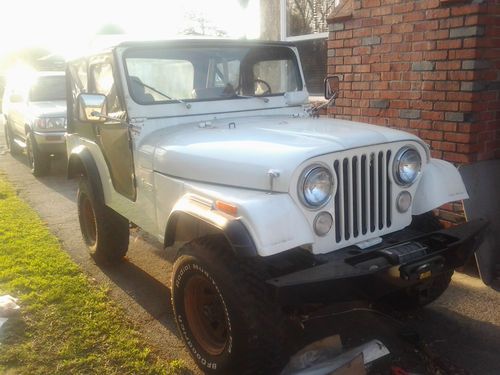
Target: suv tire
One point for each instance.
(9, 140)
(39, 162)
(224, 312)
(104, 231)
(430, 290)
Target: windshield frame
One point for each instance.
(137, 48)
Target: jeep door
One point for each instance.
(113, 136)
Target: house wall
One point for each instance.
(430, 67)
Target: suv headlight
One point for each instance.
(315, 186)
(50, 123)
(407, 166)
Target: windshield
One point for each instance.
(48, 88)
(162, 75)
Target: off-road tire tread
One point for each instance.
(112, 228)
(266, 322)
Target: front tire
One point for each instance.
(39, 162)
(224, 314)
(104, 231)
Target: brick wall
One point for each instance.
(430, 67)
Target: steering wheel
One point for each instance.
(261, 87)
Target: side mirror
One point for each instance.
(92, 108)
(16, 98)
(332, 84)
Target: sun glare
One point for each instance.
(70, 28)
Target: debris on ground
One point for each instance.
(8, 307)
(327, 357)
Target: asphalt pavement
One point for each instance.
(459, 332)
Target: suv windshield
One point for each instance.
(48, 88)
(195, 74)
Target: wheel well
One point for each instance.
(185, 227)
(75, 167)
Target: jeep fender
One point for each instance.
(81, 162)
(266, 224)
(440, 183)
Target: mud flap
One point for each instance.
(483, 184)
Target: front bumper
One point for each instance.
(51, 142)
(404, 259)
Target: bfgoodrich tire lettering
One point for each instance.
(254, 329)
(105, 232)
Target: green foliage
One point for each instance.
(67, 325)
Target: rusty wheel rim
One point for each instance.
(206, 314)
(89, 221)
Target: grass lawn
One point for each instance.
(67, 324)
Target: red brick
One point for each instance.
(360, 85)
(392, 19)
(427, 25)
(432, 115)
(431, 134)
(392, 38)
(472, 20)
(437, 13)
(400, 104)
(449, 44)
(402, 28)
(459, 137)
(468, 9)
(414, 16)
(364, 68)
(433, 95)
(447, 86)
(446, 106)
(435, 55)
(372, 21)
(424, 46)
(460, 96)
(420, 124)
(445, 126)
(461, 75)
(404, 7)
(370, 3)
(381, 11)
(379, 85)
(343, 34)
(449, 65)
(352, 60)
(436, 34)
(332, 44)
(427, 4)
(449, 23)
(380, 30)
(433, 76)
(443, 146)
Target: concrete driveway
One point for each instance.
(461, 330)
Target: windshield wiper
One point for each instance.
(188, 105)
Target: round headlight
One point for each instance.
(407, 165)
(315, 187)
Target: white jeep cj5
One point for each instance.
(209, 144)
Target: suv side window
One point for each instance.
(102, 82)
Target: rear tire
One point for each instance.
(39, 162)
(427, 291)
(104, 231)
(224, 312)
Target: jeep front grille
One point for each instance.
(363, 197)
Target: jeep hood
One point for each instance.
(55, 108)
(240, 152)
